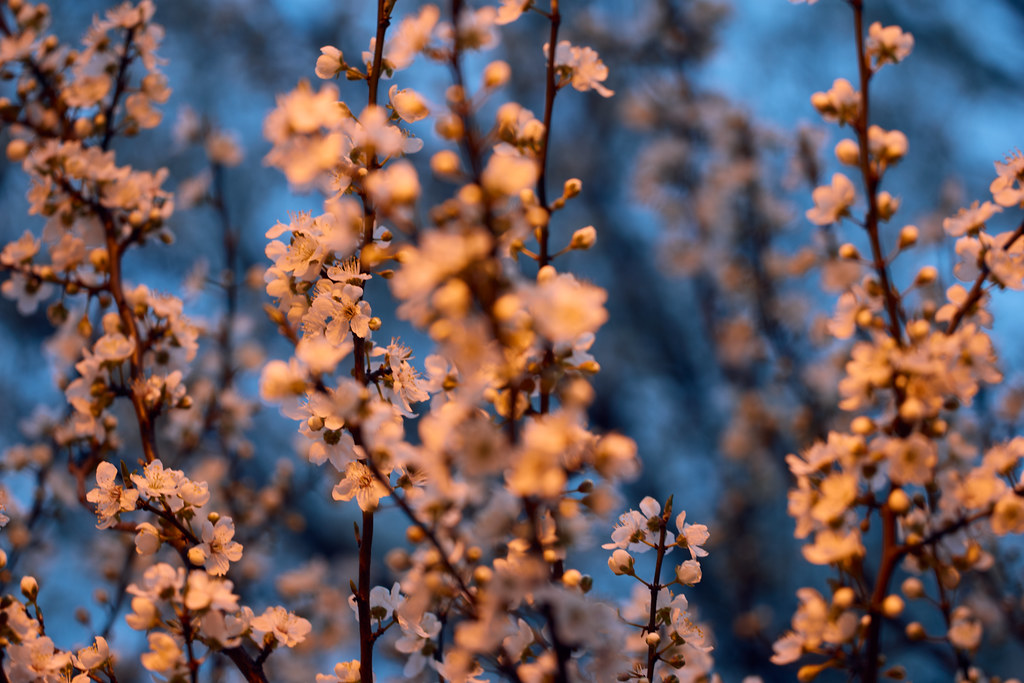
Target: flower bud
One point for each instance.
(621, 562)
(926, 275)
(196, 555)
(572, 578)
(892, 606)
(17, 150)
(572, 187)
(912, 587)
(583, 238)
(899, 501)
(915, 631)
(862, 425)
(652, 638)
(496, 74)
(848, 251)
(908, 236)
(689, 573)
(821, 102)
(843, 597)
(147, 539)
(450, 127)
(445, 163)
(887, 205)
(848, 152)
(30, 588)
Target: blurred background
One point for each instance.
(696, 176)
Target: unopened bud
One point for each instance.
(83, 128)
(892, 606)
(496, 74)
(887, 205)
(862, 425)
(17, 150)
(843, 597)
(196, 555)
(848, 152)
(908, 236)
(584, 238)
(899, 501)
(821, 101)
(99, 259)
(915, 631)
(450, 127)
(30, 588)
(848, 251)
(445, 163)
(926, 275)
(572, 188)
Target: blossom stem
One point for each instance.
(871, 180)
(366, 638)
(119, 86)
(892, 553)
(250, 669)
(551, 87)
(187, 632)
(652, 624)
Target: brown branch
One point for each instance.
(871, 181)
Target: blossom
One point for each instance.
(204, 591)
(360, 483)
(563, 308)
(218, 547)
(888, 44)
(109, 498)
(279, 624)
(632, 531)
(344, 672)
(156, 482)
(833, 547)
(692, 536)
(831, 202)
(412, 36)
(970, 220)
(840, 103)
(330, 63)
(93, 656)
(965, 629)
(506, 175)
(36, 659)
(417, 642)
(384, 603)
(1006, 189)
(27, 290)
(337, 308)
(165, 656)
(511, 10)
(408, 104)
(584, 66)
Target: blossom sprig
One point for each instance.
(665, 630)
(902, 464)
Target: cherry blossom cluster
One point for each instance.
(903, 490)
(495, 487)
(118, 346)
(665, 628)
